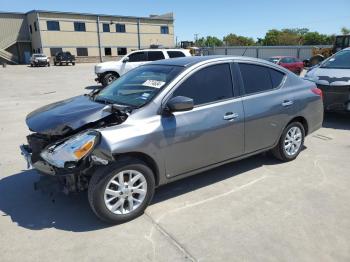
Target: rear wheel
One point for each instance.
(109, 78)
(290, 143)
(121, 192)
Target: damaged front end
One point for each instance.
(66, 157)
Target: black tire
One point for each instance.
(61, 64)
(107, 79)
(48, 64)
(100, 180)
(279, 151)
(73, 63)
(31, 65)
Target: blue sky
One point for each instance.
(244, 17)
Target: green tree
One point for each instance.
(209, 41)
(237, 40)
(315, 38)
(345, 31)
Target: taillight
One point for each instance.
(317, 91)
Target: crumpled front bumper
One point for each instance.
(39, 165)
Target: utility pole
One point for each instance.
(195, 38)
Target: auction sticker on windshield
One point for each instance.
(153, 83)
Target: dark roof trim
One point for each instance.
(166, 17)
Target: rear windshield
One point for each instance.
(340, 60)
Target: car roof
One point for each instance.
(161, 49)
(192, 60)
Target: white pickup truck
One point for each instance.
(107, 72)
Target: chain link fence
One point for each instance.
(263, 52)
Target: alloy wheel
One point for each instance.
(125, 192)
(293, 140)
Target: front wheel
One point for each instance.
(121, 192)
(290, 143)
(108, 79)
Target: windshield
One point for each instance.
(273, 60)
(340, 60)
(138, 86)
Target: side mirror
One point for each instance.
(180, 103)
(126, 59)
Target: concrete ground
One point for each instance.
(254, 210)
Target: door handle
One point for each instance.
(287, 103)
(230, 116)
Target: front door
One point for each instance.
(210, 133)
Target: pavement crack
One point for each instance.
(170, 238)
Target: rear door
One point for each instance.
(210, 133)
(266, 105)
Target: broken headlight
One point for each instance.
(71, 150)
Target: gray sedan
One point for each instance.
(168, 120)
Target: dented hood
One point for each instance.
(63, 117)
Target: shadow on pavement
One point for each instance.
(212, 176)
(34, 210)
(337, 121)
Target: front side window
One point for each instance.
(138, 57)
(173, 54)
(138, 86)
(106, 28)
(340, 60)
(51, 25)
(258, 78)
(30, 29)
(210, 84)
(35, 27)
(164, 30)
(79, 26)
(82, 51)
(120, 28)
(155, 55)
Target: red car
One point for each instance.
(289, 62)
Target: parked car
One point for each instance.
(39, 60)
(64, 58)
(108, 72)
(291, 63)
(332, 76)
(167, 120)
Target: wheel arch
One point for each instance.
(144, 158)
(301, 120)
(111, 72)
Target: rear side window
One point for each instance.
(210, 84)
(155, 55)
(258, 78)
(173, 54)
(138, 57)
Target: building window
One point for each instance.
(121, 50)
(108, 51)
(52, 25)
(30, 29)
(54, 51)
(82, 51)
(120, 28)
(79, 26)
(106, 28)
(164, 30)
(35, 27)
